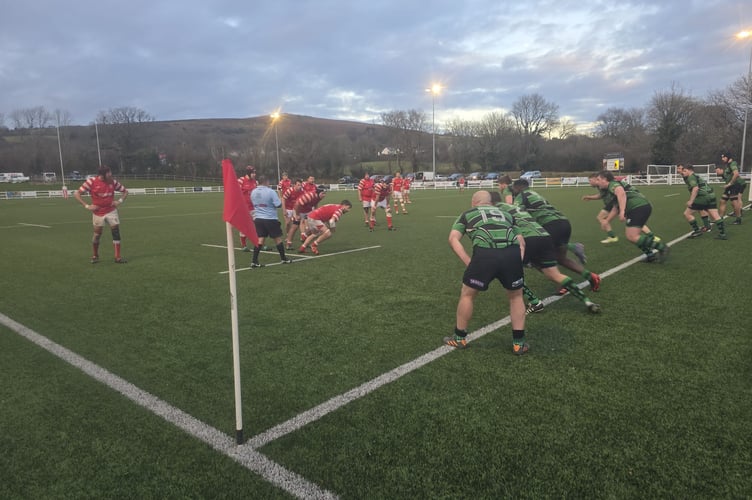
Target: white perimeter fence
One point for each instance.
(549, 182)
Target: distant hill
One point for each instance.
(326, 148)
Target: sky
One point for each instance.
(354, 60)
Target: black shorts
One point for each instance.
(540, 251)
(268, 228)
(704, 205)
(487, 264)
(560, 231)
(639, 216)
(733, 191)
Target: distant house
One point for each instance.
(389, 152)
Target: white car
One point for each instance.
(531, 174)
(15, 178)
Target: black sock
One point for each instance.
(281, 250)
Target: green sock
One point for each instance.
(530, 295)
(573, 289)
(694, 225)
(706, 221)
(611, 234)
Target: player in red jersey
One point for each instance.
(406, 189)
(284, 183)
(321, 223)
(381, 193)
(310, 186)
(289, 197)
(365, 195)
(397, 185)
(304, 205)
(104, 207)
(247, 184)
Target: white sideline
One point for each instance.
(299, 257)
(247, 457)
(337, 402)
(246, 454)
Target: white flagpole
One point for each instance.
(60, 151)
(99, 152)
(235, 338)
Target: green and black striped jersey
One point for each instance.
(488, 227)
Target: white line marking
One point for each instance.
(246, 454)
(299, 257)
(247, 457)
(34, 225)
(362, 390)
(670, 195)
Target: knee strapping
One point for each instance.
(116, 234)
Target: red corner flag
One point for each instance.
(236, 209)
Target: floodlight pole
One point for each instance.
(433, 130)
(748, 99)
(276, 139)
(275, 117)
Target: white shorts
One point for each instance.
(367, 203)
(289, 214)
(315, 226)
(383, 204)
(111, 218)
(397, 195)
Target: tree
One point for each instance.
(29, 118)
(120, 126)
(625, 126)
(534, 117)
(669, 116)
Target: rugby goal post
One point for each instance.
(661, 174)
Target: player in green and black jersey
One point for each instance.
(702, 199)
(608, 212)
(634, 209)
(497, 255)
(556, 224)
(541, 254)
(733, 188)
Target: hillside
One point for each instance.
(327, 148)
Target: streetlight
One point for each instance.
(275, 116)
(434, 90)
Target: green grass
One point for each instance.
(649, 399)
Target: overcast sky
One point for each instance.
(356, 59)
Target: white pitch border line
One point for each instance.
(34, 225)
(245, 454)
(299, 257)
(247, 457)
(337, 402)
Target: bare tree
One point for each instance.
(669, 116)
(120, 127)
(36, 117)
(406, 128)
(625, 126)
(534, 115)
(566, 128)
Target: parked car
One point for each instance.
(455, 176)
(16, 178)
(492, 176)
(475, 176)
(49, 176)
(440, 177)
(531, 174)
(388, 179)
(348, 179)
(75, 176)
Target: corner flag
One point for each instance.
(236, 209)
(235, 214)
